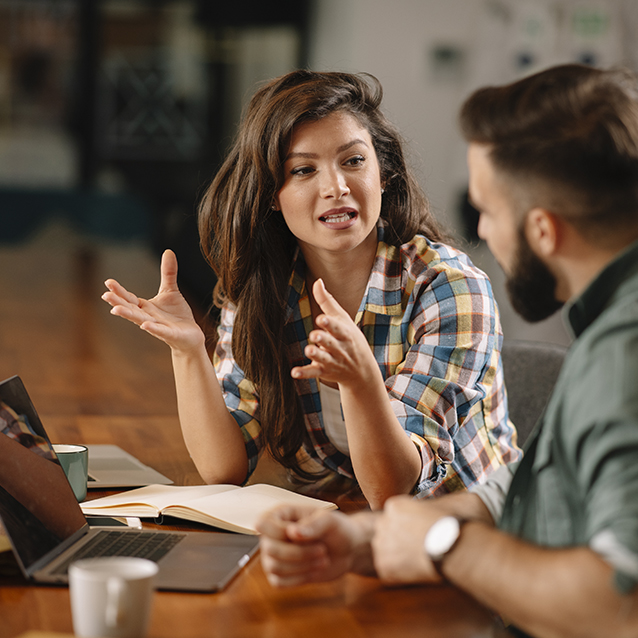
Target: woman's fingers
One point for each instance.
(118, 290)
(127, 305)
(335, 346)
(326, 353)
(326, 301)
(168, 272)
(120, 306)
(319, 355)
(132, 313)
(327, 340)
(311, 371)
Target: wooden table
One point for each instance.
(96, 379)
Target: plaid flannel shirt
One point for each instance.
(432, 323)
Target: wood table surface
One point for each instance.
(96, 379)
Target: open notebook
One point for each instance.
(229, 507)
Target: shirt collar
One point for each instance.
(612, 283)
(384, 291)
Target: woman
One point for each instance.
(315, 220)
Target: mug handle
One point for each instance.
(114, 614)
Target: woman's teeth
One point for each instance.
(336, 219)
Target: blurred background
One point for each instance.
(115, 114)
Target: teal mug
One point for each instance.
(74, 460)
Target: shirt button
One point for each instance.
(516, 500)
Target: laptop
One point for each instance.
(47, 529)
(111, 466)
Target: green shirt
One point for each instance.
(578, 481)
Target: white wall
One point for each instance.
(395, 41)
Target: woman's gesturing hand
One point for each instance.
(338, 350)
(166, 316)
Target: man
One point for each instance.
(553, 162)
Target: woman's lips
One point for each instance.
(339, 219)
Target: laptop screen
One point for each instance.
(37, 507)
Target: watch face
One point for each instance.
(442, 536)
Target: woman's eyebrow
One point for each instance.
(340, 149)
(345, 147)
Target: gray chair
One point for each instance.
(531, 369)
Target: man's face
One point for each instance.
(530, 284)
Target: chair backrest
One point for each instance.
(531, 369)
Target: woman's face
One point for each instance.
(331, 196)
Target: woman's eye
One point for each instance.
(357, 160)
(301, 170)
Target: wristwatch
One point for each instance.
(441, 538)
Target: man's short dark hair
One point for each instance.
(565, 139)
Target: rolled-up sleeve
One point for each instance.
(608, 471)
(600, 440)
(494, 490)
(448, 391)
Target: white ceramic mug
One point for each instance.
(111, 597)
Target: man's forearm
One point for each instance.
(465, 505)
(546, 592)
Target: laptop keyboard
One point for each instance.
(151, 545)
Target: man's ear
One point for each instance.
(543, 230)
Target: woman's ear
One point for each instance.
(543, 230)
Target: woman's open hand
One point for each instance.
(166, 316)
(338, 350)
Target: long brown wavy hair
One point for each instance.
(251, 249)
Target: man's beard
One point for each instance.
(531, 286)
